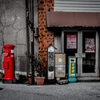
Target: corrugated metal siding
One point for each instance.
(77, 5)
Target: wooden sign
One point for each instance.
(60, 65)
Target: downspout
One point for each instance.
(31, 23)
(27, 32)
(32, 42)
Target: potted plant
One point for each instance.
(41, 72)
(38, 66)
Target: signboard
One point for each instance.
(50, 65)
(60, 65)
(71, 41)
(72, 69)
(51, 62)
(89, 45)
(80, 55)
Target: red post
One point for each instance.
(8, 63)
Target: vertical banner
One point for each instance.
(72, 69)
(71, 41)
(51, 62)
(89, 45)
(60, 65)
(50, 65)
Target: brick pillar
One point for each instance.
(46, 37)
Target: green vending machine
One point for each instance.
(72, 69)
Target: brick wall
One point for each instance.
(46, 37)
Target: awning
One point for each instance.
(70, 19)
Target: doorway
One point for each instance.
(86, 45)
(70, 46)
(90, 46)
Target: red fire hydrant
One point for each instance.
(8, 63)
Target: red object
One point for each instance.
(8, 63)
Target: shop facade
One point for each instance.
(84, 44)
(74, 32)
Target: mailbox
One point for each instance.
(72, 69)
(8, 63)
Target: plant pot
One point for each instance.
(30, 79)
(40, 80)
(1, 75)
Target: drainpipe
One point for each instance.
(27, 32)
(31, 24)
(32, 42)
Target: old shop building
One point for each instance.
(73, 28)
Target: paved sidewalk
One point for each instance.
(70, 91)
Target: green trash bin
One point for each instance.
(72, 69)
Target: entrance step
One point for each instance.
(88, 79)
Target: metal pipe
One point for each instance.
(32, 42)
(27, 33)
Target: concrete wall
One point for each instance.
(36, 25)
(13, 30)
(57, 40)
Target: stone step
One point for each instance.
(88, 79)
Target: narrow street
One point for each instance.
(70, 91)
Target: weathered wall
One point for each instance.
(36, 49)
(13, 30)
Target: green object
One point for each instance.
(72, 69)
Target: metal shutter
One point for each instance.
(77, 5)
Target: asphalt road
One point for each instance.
(70, 91)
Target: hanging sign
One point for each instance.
(60, 65)
(71, 41)
(89, 45)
